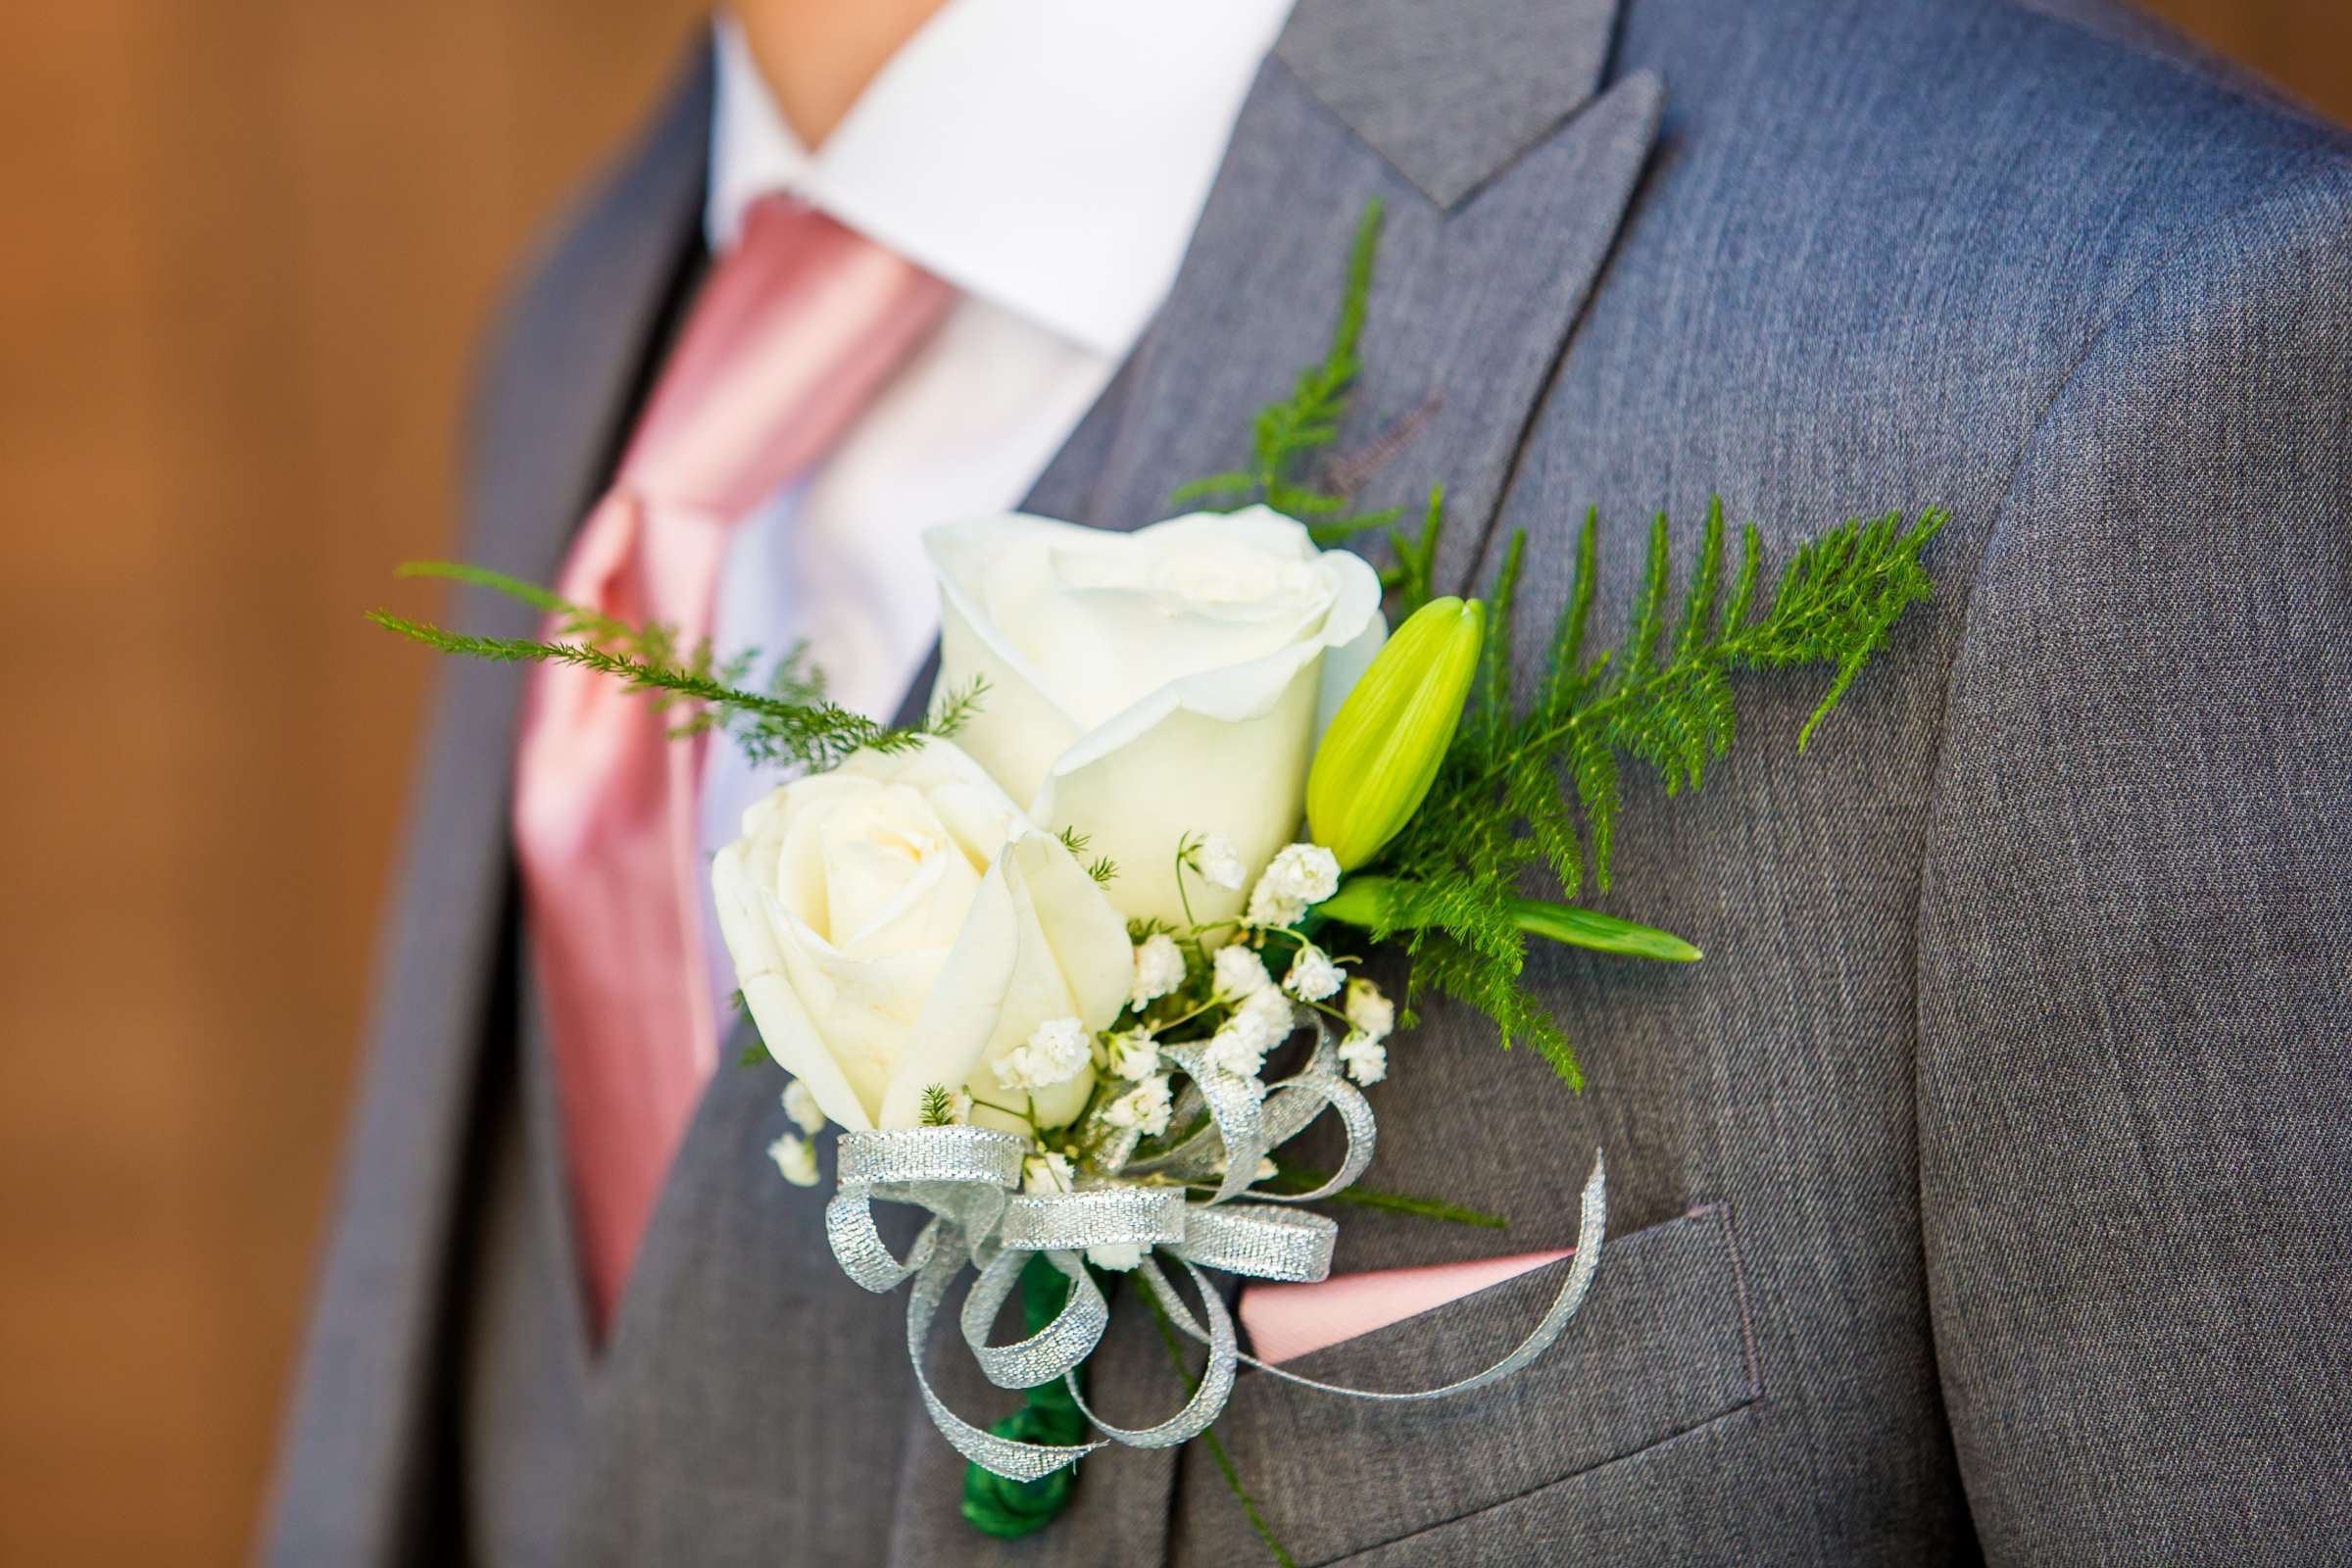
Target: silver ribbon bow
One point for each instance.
(968, 1178)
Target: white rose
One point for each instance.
(1147, 685)
(898, 924)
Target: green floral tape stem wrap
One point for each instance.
(1006, 1508)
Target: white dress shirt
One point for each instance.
(1048, 158)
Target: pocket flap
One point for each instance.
(1660, 1346)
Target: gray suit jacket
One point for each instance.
(1984, 1193)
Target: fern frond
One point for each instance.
(1500, 808)
(815, 735)
(1564, 674)
(1743, 591)
(1232, 482)
(1706, 581)
(1641, 651)
(1286, 436)
(954, 708)
(1414, 576)
(1491, 712)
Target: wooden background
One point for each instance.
(247, 243)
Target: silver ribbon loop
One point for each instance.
(1104, 1216)
(1009, 1457)
(912, 1156)
(1053, 1351)
(1247, 1121)
(858, 1247)
(958, 1173)
(1294, 1103)
(1260, 1241)
(1216, 1379)
(1230, 1146)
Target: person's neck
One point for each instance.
(816, 56)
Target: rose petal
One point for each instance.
(784, 1025)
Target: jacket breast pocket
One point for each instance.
(1662, 1345)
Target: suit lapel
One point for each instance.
(556, 388)
(1470, 309)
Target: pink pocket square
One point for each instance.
(1288, 1321)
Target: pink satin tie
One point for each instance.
(789, 338)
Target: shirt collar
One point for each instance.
(1048, 155)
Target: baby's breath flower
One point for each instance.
(1221, 863)
(1158, 969)
(1120, 1257)
(801, 1105)
(1300, 875)
(795, 1157)
(1235, 1050)
(1373, 1014)
(1134, 1055)
(1313, 976)
(1257, 1026)
(1057, 1053)
(1146, 1107)
(1365, 1059)
(1241, 972)
(1271, 1014)
(1047, 1172)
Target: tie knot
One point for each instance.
(796, 329)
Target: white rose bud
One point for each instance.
(1116, 663)
(898, 924)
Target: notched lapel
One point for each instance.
(1471, 307)
(1453, 91)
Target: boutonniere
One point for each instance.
(1072, 963)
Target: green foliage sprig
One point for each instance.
(1291, 431)
(1500, 807)
(1103, 869)
(790, 722)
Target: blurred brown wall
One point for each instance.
(247, 244)
(246, 247)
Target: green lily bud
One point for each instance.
(1381, 753)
